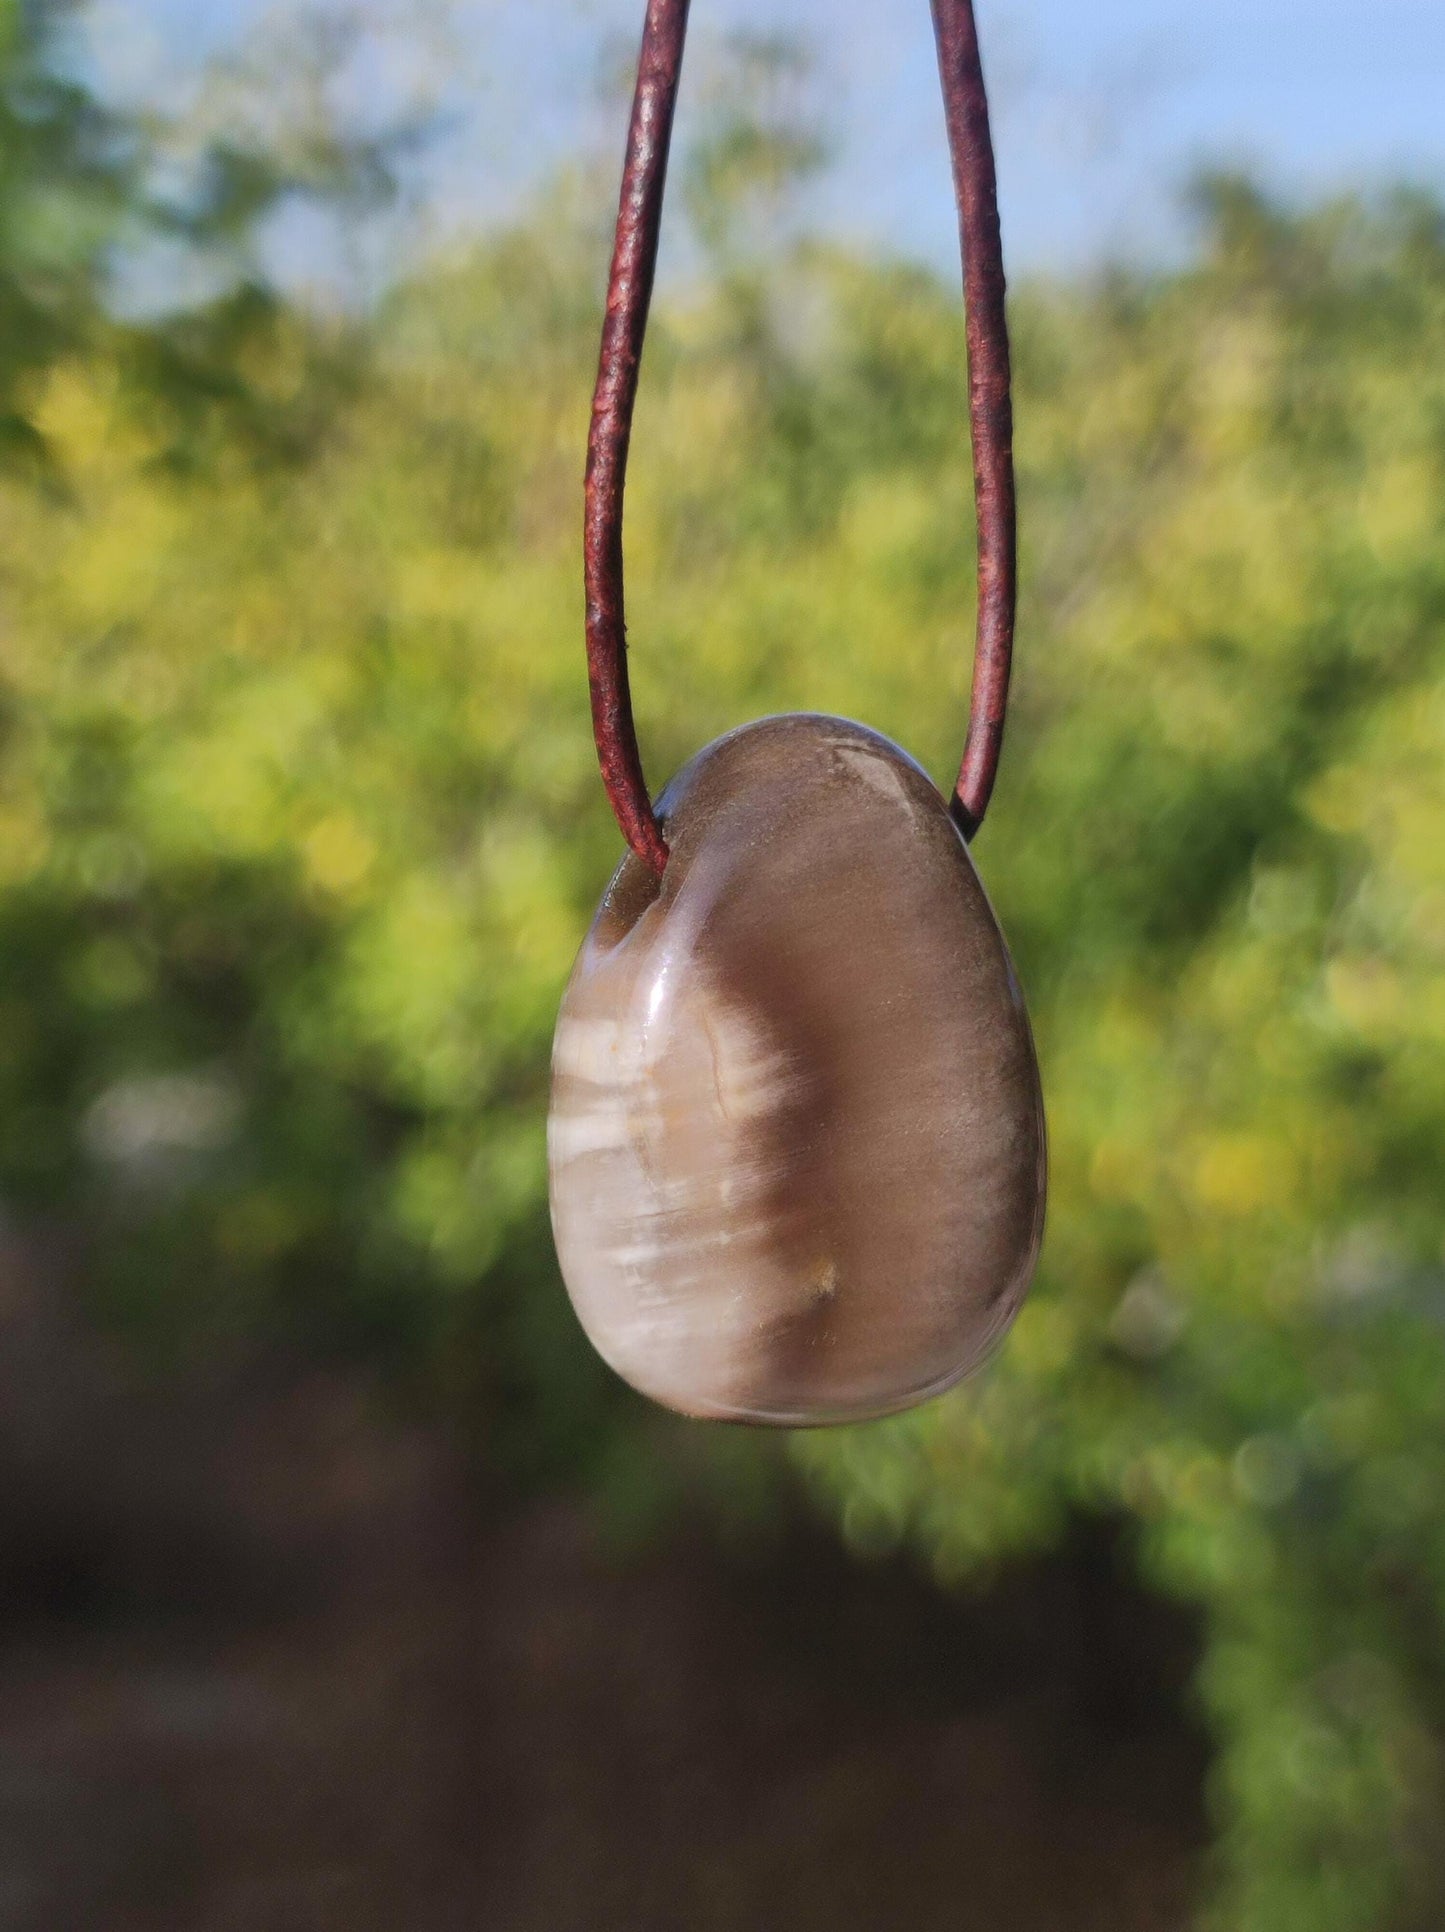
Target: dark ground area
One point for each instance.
(271, 1663)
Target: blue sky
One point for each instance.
(1102, 111)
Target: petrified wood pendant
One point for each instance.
(796, 1139)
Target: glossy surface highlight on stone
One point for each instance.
(796, 1140)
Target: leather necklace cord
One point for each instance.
(629, 297)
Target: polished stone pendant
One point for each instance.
(796, 1140)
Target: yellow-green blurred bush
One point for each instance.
(299, 828)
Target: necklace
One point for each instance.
(796, 1138)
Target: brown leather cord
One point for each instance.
(629, 296)
(990, 403)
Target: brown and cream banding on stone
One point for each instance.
(796, 1139)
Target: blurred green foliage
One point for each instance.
(299, 829)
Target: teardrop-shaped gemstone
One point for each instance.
(796, 1140)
